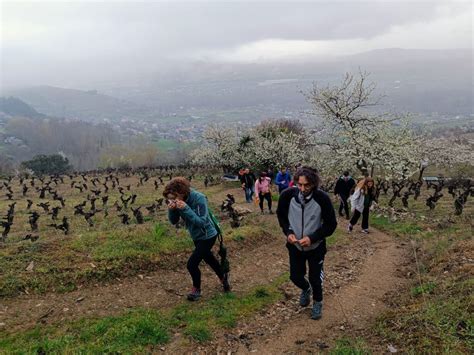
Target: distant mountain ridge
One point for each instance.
(88, 105)
(413, 80)
(11, 106)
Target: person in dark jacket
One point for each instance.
(344, 186)
(247, 180)
(307, 217)
(191, 206)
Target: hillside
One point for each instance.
(89, 106)
(11, 106)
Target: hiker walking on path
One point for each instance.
(361, 200)
(307, 217)
(343, 189)
(282, 179)
(191, 205)
(248, 180)
(263, 191)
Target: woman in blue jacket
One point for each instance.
(191, 205)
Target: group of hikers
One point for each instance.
(305, 214)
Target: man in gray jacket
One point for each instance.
(307, 217)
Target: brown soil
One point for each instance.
(360, 271)
(359, 276)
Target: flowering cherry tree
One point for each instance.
(269, 144)
(353, 130)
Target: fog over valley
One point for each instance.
(161, 72)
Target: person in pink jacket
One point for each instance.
(263, 191)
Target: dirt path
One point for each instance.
(357, 283)
(360, 270)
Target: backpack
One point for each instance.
(224, 263)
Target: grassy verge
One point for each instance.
(93, 255)
(141, 330)
(101, 255)
(434, 315)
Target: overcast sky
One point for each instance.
(67, 43)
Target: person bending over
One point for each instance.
(191, 206)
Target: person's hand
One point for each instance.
(243, 186)
(305, 242)
(336, 198)
(172, 204)
(180, 204)
(291, 239)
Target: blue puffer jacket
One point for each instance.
(196, 217)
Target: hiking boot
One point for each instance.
(225, 282)
(194, 295)
(305, 297)
(317, 310)
(366, 231)
(261, 212)
(350, 227)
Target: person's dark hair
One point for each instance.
(263, 174)
(345, 173)
(178, 186)
(310, 174)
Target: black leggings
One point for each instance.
(365, 218)
(268, 197)
(298, 270)
(203, 252)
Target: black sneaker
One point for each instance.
(225, 282)
(317, 311)
(305, 297)
(194, 295)
(271, 212)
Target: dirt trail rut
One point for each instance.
(359, 275)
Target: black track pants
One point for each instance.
(315, 262)
(344, 205)
(203, 252)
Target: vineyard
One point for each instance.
(89, 263)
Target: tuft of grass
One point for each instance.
(423, 289)
(198, 331)
(350, 346)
